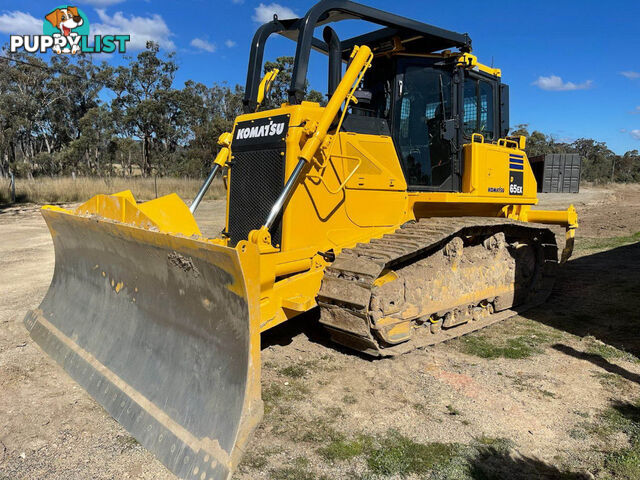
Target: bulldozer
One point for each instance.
(401, 212)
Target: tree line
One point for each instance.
(599, 163)
(81, 118)
(76, 117)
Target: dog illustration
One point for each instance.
(65, 19)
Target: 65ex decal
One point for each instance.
(516, 174)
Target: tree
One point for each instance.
(279, 93)
(597, 159)
(628, 169)
(141, 90)
(41, 108)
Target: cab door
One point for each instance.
(480, 110)
(424, 124)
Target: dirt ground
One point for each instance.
(553, 393)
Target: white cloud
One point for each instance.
(555, 83)
(20, 23)
(102, 3)
(141, 29)
(229, 43)
(635, 134)
(630, 75)
(201, 44)
(264, 13)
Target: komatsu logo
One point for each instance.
(261, 132)
(269, 130)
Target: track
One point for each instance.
(434, 280)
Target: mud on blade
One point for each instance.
(158, 329)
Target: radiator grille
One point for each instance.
(256, 180)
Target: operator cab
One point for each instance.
(424, 89)
(420, 102)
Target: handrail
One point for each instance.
(346, 180)
(507, 142)
(475, 135)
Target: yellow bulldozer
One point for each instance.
(401, 210)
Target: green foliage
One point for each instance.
(253, 460)
(607, 243)
(343, 449)
(608, 352)
(299, 470)
(399, 455)
(126, 442)
(293, 371)
(622, 417)
(54, 119)
(452, 410)
(276, 394)
(484, 347)
(498, 443)
(624, 464)
(349, 399)
(279, 92)
(517, 339)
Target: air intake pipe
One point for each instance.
(335, 59)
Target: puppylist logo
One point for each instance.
(66, 30)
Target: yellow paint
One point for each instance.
(224, 140)
(486, 171)
(386, 277)
(265, 85)
(119, 286)
(471, 61)
(167, 214)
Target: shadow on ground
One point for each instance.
(598, 361)
(597, 295)
(628, 410)
(497, 464)
(306, 324)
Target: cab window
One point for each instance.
(479, 108)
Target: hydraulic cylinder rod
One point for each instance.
(286, 192)
(204, 188)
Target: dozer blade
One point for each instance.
(159, 328)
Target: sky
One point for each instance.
(572, 66)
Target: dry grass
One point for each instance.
(66, 189)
